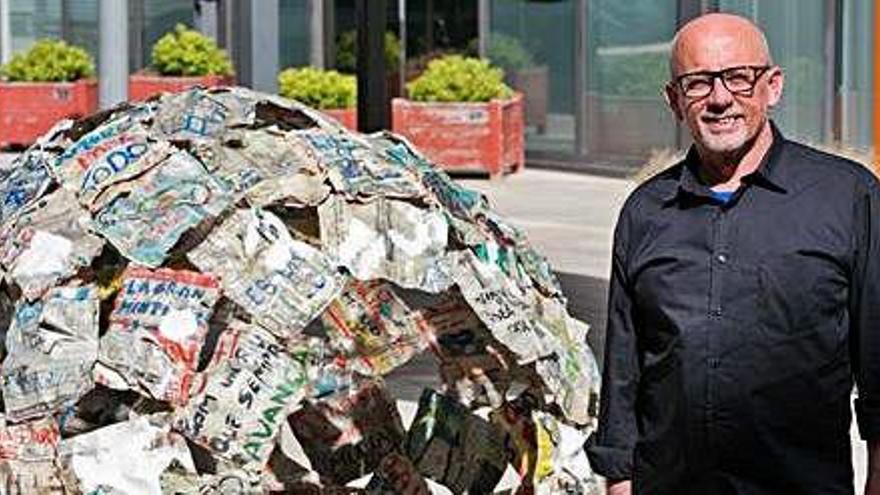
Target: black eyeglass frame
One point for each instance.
(760, 70)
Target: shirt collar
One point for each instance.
(767, 175)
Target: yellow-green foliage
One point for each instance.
(49, 61)
(185, 52)
(322, 89)
(456, 78)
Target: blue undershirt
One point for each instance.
(722, 196)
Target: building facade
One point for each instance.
(593, 70)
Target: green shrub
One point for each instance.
(49, 61)
(346, 52)
(457, 78)
(322, 89)
(185, 52)
(508, 53)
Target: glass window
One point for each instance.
(856, 94)
(627, 66)
(30, 20)
(534, 42)
(294, 33)
(160, 17)
(794, 31)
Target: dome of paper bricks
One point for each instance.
(203, 292)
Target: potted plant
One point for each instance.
(346, 58)
(522, 74)
(333, 93)
(50, 81)
(462, 116)
(181, 59)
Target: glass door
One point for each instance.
(534, 42)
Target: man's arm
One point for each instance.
(864, 308)
(610, 448)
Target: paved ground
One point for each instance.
(570, 217)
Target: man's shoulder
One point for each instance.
(810, 164)
(657, 190)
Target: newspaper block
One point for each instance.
(347, 435)
(52, 345)
(265, 167)
(48, 243)
(239, 413)
(27, 458)
(372, 328)
(24, 182)
(198, 114)
(387, 239)
(115, 152)
(356, 170)
(127, 457)
(283, 283)
(503, 306)
(156, 332)
(161, 205)
(396, 475)
(452, 446)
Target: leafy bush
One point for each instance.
(508, 52)
(346, 52)
(457, 78)
(49, 61)
(322, 89)
(185, 52)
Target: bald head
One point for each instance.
(717, 41)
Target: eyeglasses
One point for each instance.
(738, 80)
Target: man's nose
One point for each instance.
(720, 95)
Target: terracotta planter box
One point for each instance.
(467, 137)
(143, 86)
(346, 116)
(534, 84)
(29, 109)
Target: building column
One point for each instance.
(5, 35)
(112, 52)
(257, 39)
(206, 18)
(316, 34)
(373, 104)
(484, 27)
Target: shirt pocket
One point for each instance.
(798, 292)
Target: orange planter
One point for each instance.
(481, 137)
(29, 109)
(143, 86)
(346, 116)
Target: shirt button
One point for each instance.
(715, 312)
(722, 258)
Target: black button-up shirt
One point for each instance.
(735, 329)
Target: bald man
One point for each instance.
(744, 297)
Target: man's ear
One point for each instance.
(775, 83)
(672, 100)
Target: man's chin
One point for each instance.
(723, 144)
